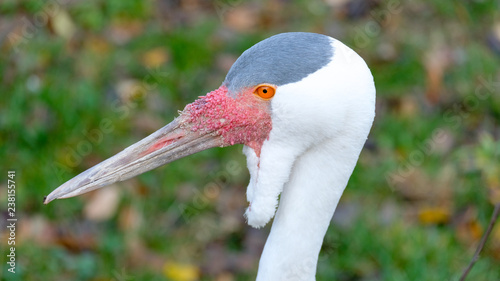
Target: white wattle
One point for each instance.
(320, 125)
(253, 168)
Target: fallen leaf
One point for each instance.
(434, 215)
(437, 61)
(181, 272)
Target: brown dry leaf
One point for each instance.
(437, 61)
(155, 57)
(63, 25)
(103, 204)
(181, 272)
(434, 215)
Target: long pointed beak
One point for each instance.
(174, 141)
(216, 119)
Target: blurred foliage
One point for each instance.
(81, 80)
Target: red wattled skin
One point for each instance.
(245, 119)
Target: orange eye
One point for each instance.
(265, 91)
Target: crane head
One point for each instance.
(280, 98)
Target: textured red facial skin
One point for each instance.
(245, 119)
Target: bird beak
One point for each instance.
(216, 119)
(174, 141)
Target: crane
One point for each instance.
(302, 104)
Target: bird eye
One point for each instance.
(265, 91)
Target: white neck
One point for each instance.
(320, 125)
(306, 207)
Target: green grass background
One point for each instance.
(57, 89)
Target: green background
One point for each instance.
(81, 80)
